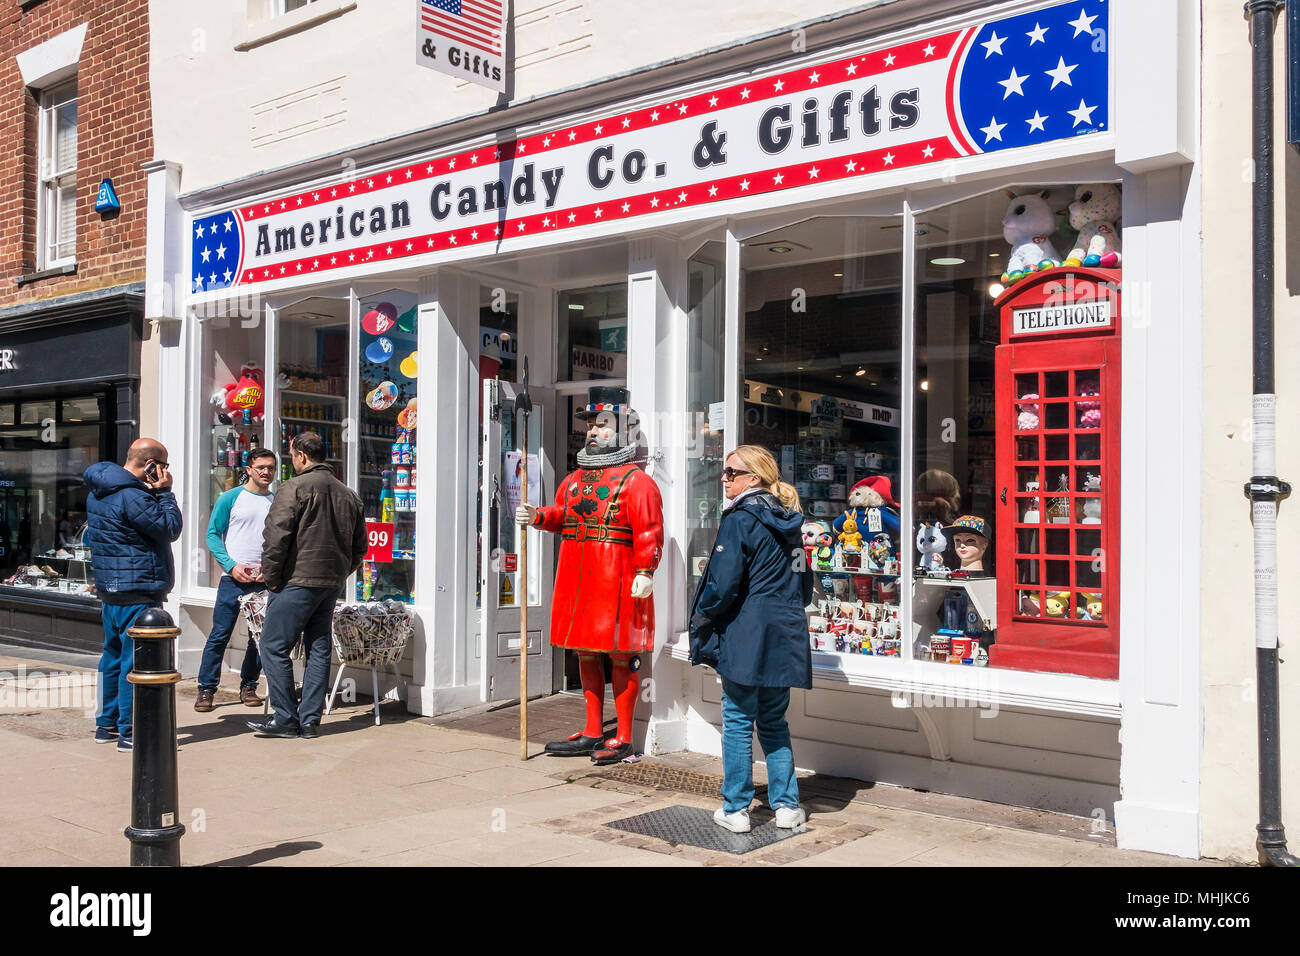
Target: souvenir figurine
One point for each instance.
(1028, 225)
(248, 393)
(931, 543)
(610, 515)
(1029, 605)
(1028, 412)
(810, 531)
(881, 552)
(824, 555)
(970, 540)
(1088, 606)
(1057, 603)
(1091, 506)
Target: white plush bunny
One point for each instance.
(1028, 226)
(931, 542)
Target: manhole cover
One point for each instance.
(661, 776)
(694, 826)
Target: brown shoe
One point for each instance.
(203, 703)
(248, 697)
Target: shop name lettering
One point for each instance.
(1056, 318)
(847, 114)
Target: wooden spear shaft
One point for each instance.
(522, 591)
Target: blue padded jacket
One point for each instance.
(129, 530)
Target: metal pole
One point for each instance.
(155, 833)
(523, 405)
(1265, 489)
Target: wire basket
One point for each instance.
(253, 605)
(371, 633)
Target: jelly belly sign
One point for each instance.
(995, 85)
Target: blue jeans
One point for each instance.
(116, 694)
(224, 615)
(743, 707)
(294, 611)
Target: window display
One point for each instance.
(389, 416)
(706, 444)
(822, 346)
(593, 333)
(1012, 384)
(233, 420)
(45, 446)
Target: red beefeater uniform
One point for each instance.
(611, 521)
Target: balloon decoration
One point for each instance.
(406, 417)
(406, 321)
(380, 319)
(380, 350)
(382, 396)
(409, 366)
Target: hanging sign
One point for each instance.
(465, 39)
(379, 542)
(1000, 84)
(106, 201)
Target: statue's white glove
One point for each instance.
(642, 585)
(526, 514)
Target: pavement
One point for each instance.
(452, 791)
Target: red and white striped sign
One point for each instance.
(465, 39)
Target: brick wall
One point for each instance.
(114, 136)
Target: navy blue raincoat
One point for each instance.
(129, 531)
(752, 597)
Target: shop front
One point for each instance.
(69, 397)
(936, 270)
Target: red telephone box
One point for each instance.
(1058, 413)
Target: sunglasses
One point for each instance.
(729, 473)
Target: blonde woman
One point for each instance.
(750, 608)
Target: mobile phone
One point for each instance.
(151, 471)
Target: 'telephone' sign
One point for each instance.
(1076, 317)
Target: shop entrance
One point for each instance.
(503, 588)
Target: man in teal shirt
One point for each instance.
(235, 540)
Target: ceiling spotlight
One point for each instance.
(994, 255)
(996, 289)
(947, 261)
(778, 248)
(838, 275)
(860, 372)
(576, 307)
(925, 384)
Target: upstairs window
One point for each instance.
(57, 202)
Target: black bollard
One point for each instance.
(154, 832)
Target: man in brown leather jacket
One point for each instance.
(315, 537)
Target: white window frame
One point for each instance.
(280, 7)
(52, 181)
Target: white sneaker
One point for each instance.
(737, 822)
(790, 818)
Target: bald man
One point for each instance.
(132, 520)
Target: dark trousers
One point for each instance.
(224, 615)
(116, 693)
(294, 611)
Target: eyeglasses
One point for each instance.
(269, 467)
(729, 473)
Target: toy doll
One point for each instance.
(1028, 412)
(1089, 606)
(1028, 225)
(1057, 603)
(1095, 212)
(850, 538)
(931, 543)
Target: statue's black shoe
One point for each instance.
(578, 746)
(607, 754)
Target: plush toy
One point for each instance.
(881, 551)
(811, 531)
(1090, 410)
(824, 555)
(931, 543)
(1057, 603)
(247, 393)
(1089, 606)
(872, 504)
(1029, 605)
(1094, 212)
(849, 536)
(1028, 417)
(1091, 506)
(1028, 226)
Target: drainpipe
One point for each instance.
(1265, 490)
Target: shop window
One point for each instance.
(498, 358)
(821, 391)
(45, 447)
(387, 439)
(593, 333)
(1010, 454)
(706, 442)
(232, 422)
(57, 156)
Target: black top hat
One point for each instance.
(606, 398)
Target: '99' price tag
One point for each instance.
(379, 542)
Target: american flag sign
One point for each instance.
(465, 39)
